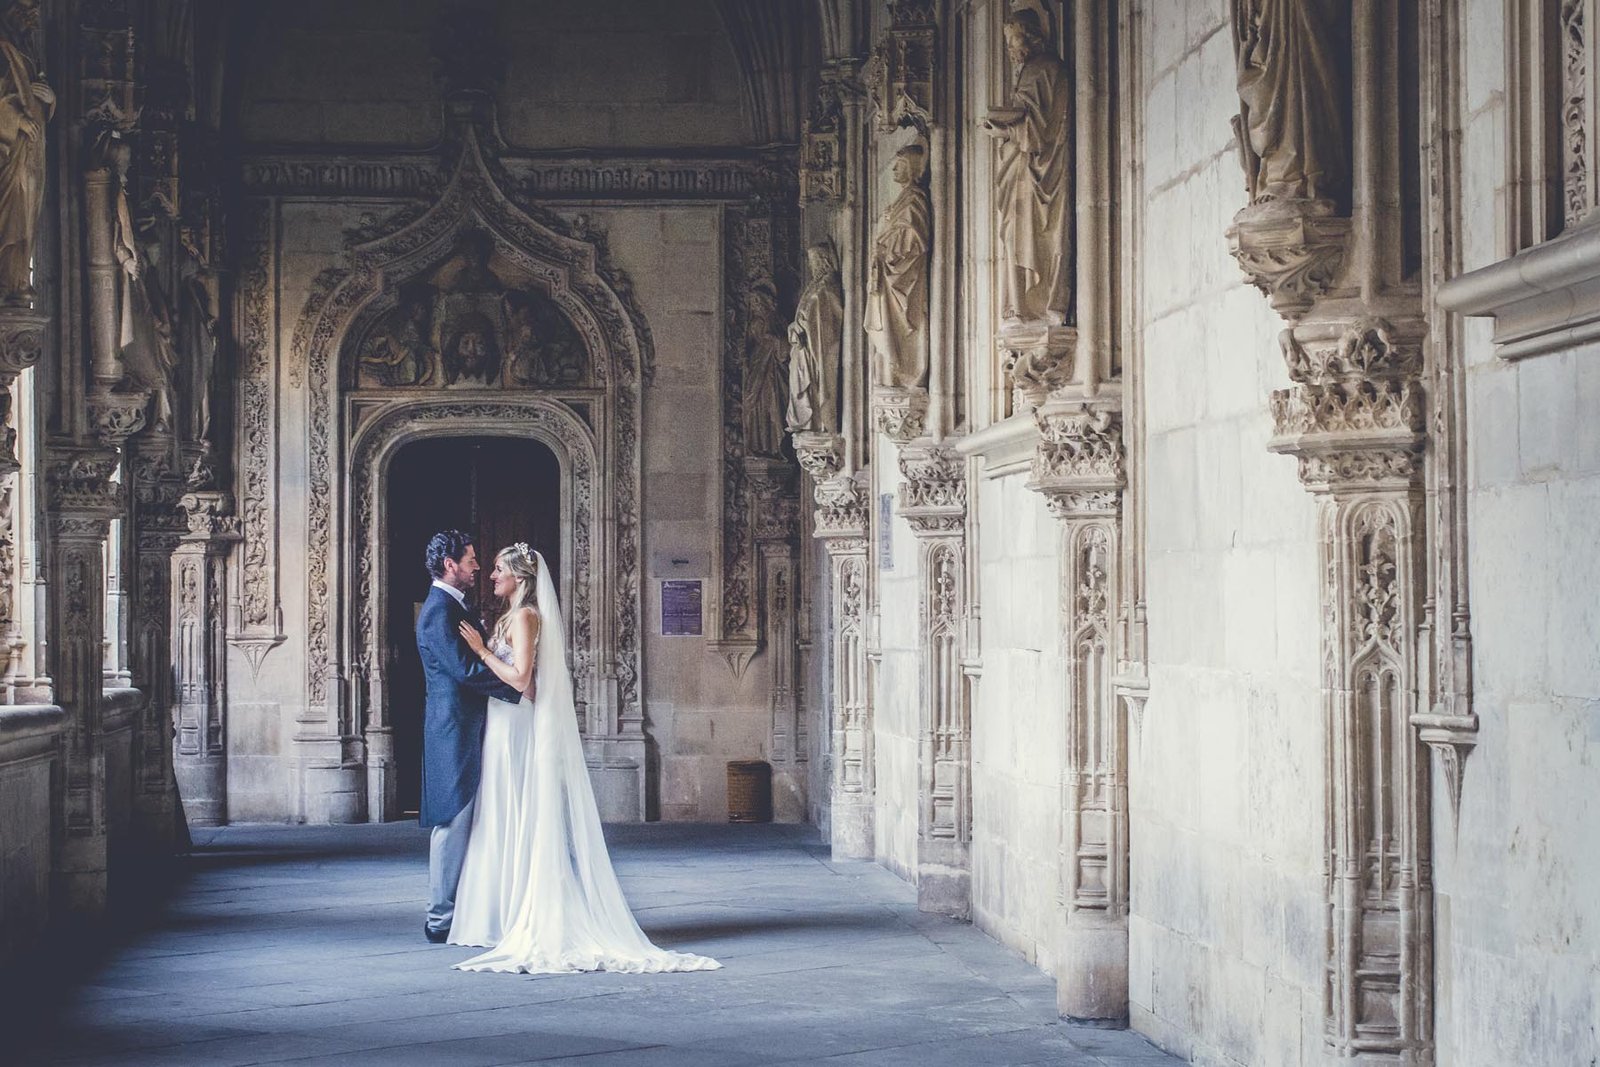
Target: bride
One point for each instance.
(537, 887)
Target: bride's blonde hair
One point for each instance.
(524, 566)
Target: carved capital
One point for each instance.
(841, 515)
(116, 417)
(774, 498)
(900, 414)
(79, 487)
(933, 496)
(1291, 250)
(1078, 465)
(821, 455)
(1355, 416)
(900, 74)
(210, 516)
(1039, 360)
(21, 340)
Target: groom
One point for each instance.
(459, 685)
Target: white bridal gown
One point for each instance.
(537, 888)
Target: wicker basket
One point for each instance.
(749, 791)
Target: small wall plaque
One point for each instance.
(680, 608)
(886, 532)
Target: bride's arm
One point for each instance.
(524, 635)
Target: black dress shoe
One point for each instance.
(437, 937)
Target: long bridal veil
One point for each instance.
(561, 904)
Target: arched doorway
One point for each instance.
(499, 489)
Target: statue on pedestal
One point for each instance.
(26, 104)
(764, 383)
(1034, 180)
(815, 338)
(897, 280)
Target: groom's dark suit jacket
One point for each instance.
(459, 685)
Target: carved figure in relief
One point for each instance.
(765, 382)
(1034, 181)
(469, 318)
(26, 104)
(199, 312)
(815, 338)
(144, 310)
(542, 346)
(897, 280)
(400, 350)
(1291, 58)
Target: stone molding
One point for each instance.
(1544, 299)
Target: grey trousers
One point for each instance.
(447, 850)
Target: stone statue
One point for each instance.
(765, 376)
(399, 350)
(897, 280)
(1291, 57)
(26, 104)
(198, 318)
(1034, 182)
(815, 338)
(149, 355)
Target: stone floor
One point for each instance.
(303, 945)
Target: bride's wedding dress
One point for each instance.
(537, 886)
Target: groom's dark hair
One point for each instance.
(446, 544)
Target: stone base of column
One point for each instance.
(789, 793)
(203, 785)
(853, 837)
(1092, 971)
(81, 875)
(944, 878)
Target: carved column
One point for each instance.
(841, 525)
(775, 505)
(199, 655)
(156, 527)
(1079, 468)
(1328, 243)
(21, 342)
(933, 499)
(82, 501)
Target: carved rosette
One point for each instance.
(1292, 250)
(900, 74)
(900, 414)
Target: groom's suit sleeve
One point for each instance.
(461, 665)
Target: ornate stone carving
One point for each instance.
(822, 139)
(900, 74)
(199, 659)
(1291, 250)
(853, 764)
(816, 338)
(933, 494)
(766, 374)
(1078, 465)
(21, 344)
(897, 280)
(1034, 182)
(537, 245)
(1039, 361)
(79, 483)
(117, 416)
(1576, 113)
(29, 104)
(900, 414)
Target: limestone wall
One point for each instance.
(30, 753)
(578, 74)
(897, 708)
(1517, 917)
(1226, 929)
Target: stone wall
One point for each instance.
(1226, 931)
(30, 757)
(1517, 919)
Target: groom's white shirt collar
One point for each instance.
(461, 598)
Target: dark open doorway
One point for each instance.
(499, 489)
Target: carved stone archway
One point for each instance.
(585, 590)
(598, 425)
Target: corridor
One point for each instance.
(303, 945)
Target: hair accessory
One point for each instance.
(522, 546)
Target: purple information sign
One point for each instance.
(680, 608)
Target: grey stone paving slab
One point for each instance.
(300, 945)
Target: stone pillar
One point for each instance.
(21, 342)
(1078, 466)
(199, 655)
(156, 527)
(774, 519)
(841, 525)
(933, 499)
(82, 501)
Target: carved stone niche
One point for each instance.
(1040, 359)
(1292, 250)
(900, 74)
(900, 414)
